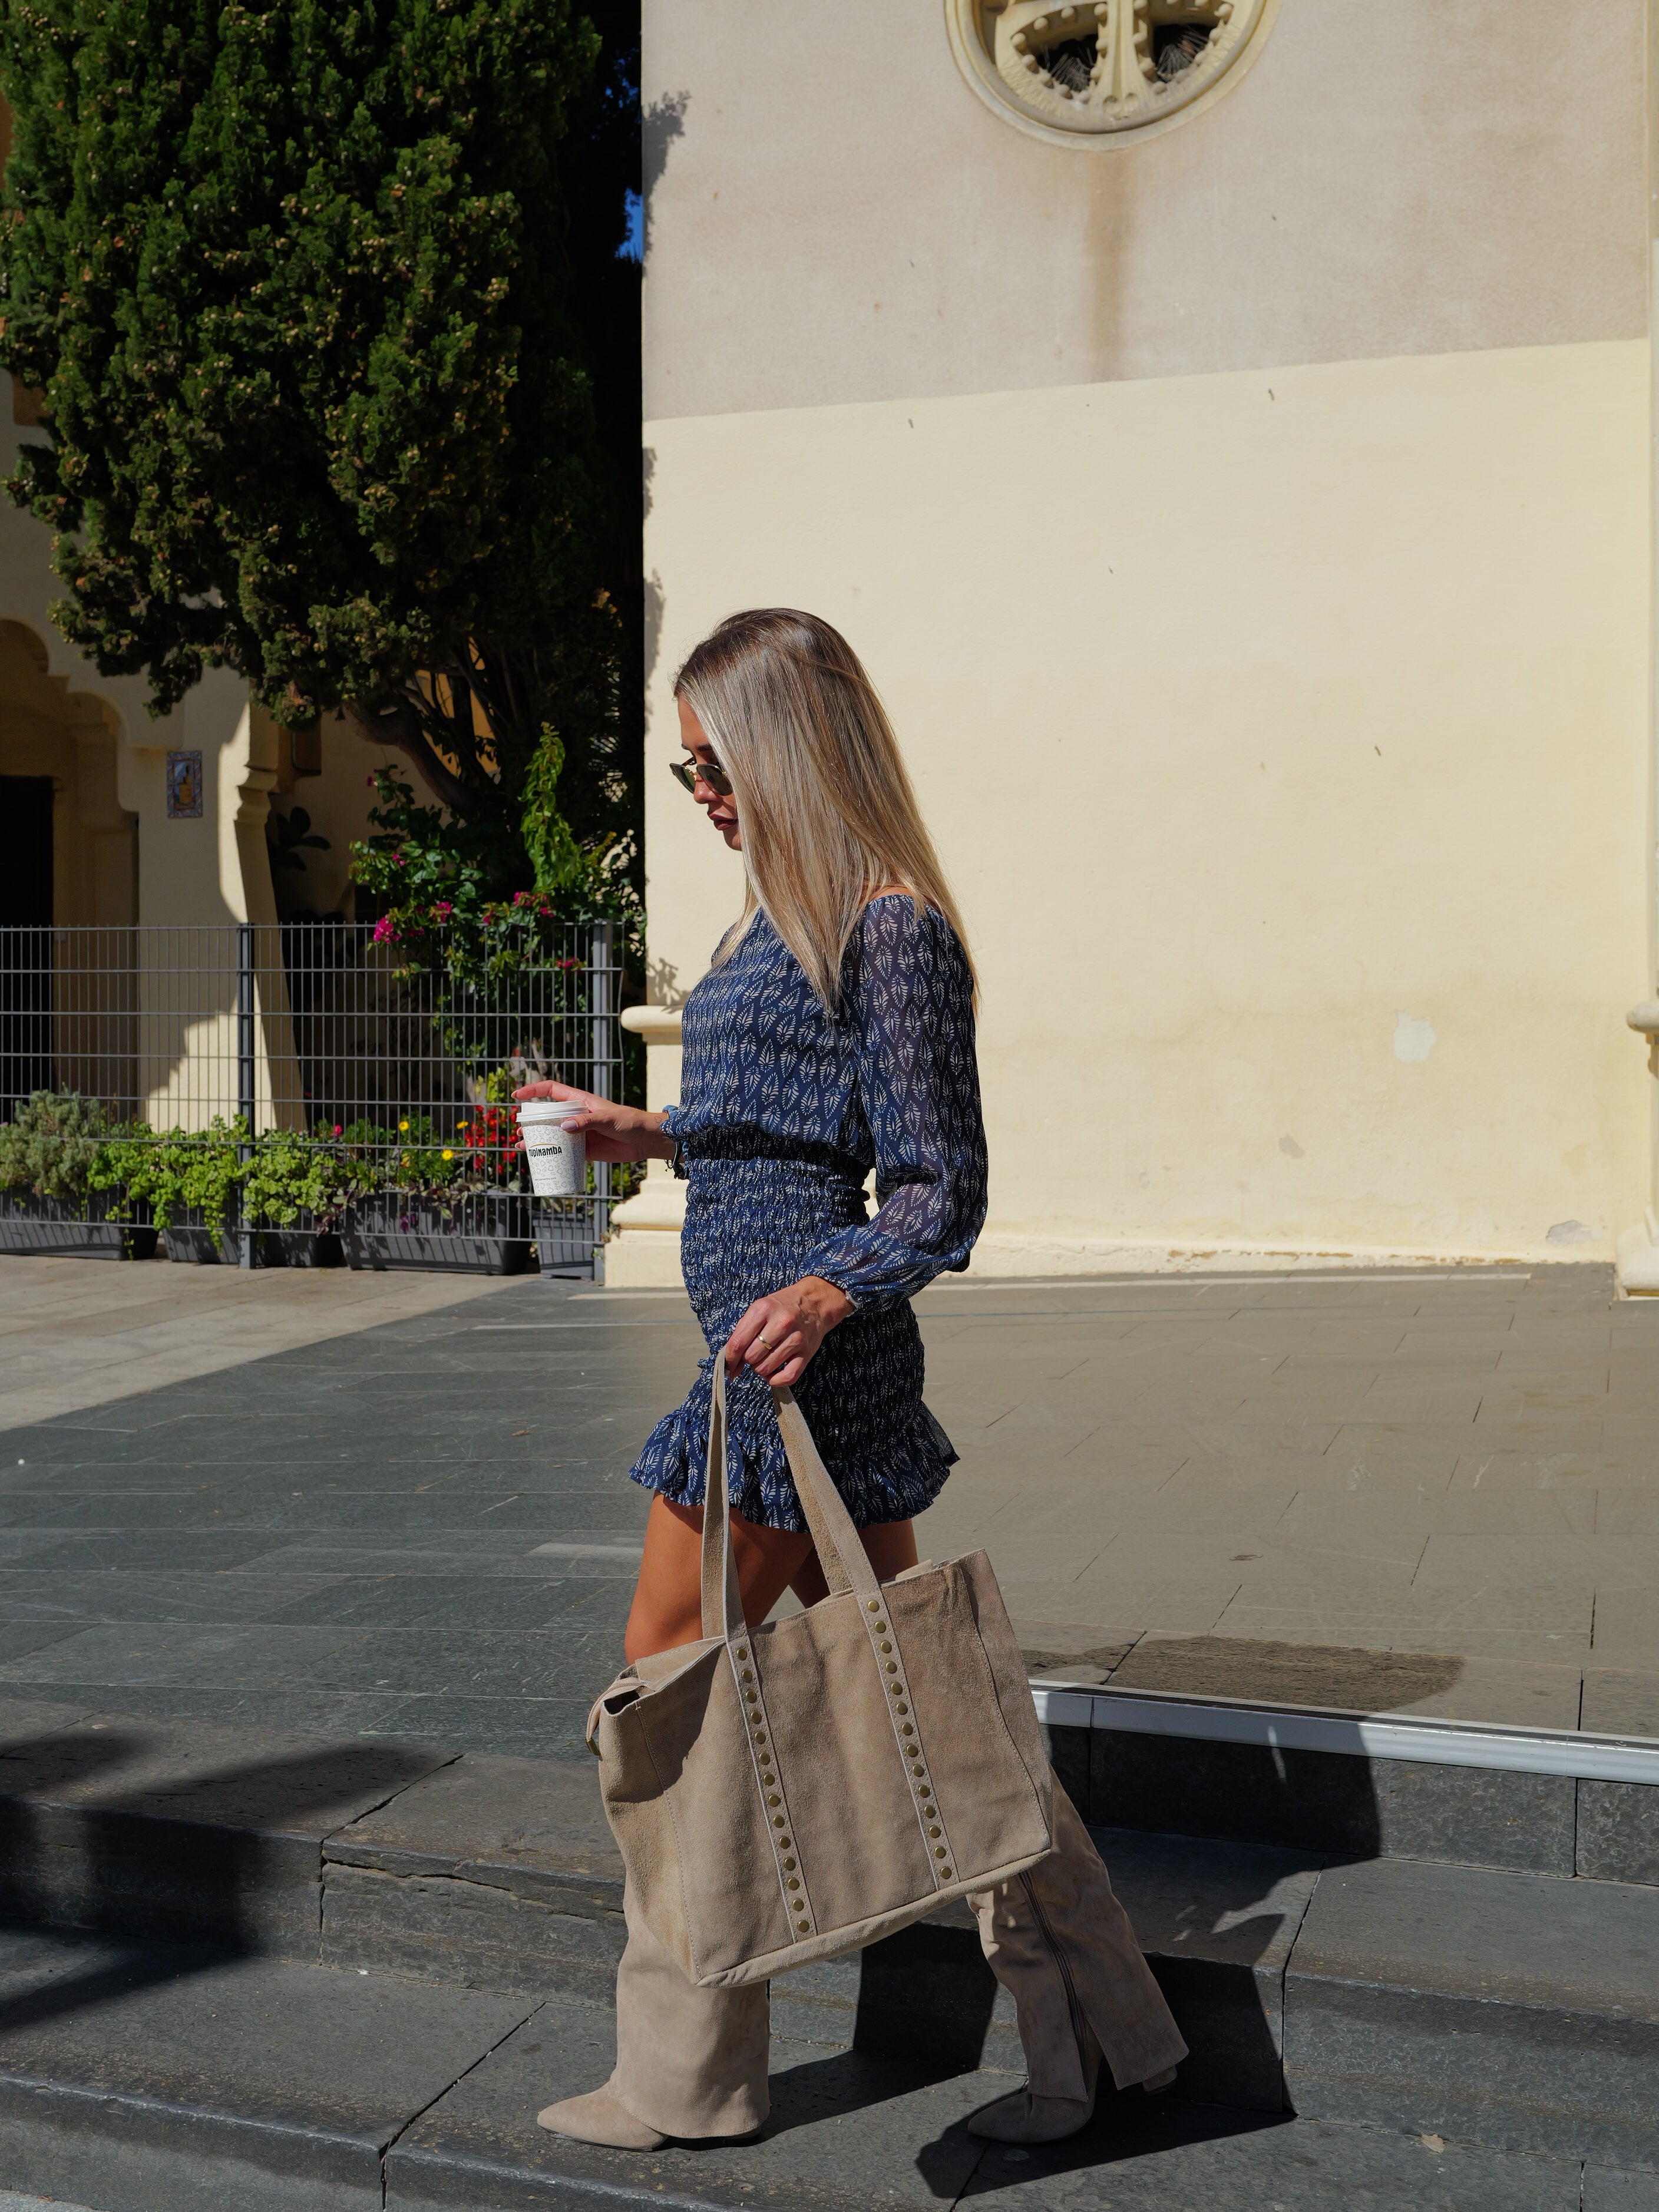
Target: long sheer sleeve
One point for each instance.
(912, 1002)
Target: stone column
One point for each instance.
(644, 1250)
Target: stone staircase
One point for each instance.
(244, 1969)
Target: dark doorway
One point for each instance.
(25, 938)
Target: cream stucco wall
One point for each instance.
(1284, 733)
(833, 215)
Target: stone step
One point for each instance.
(1514, 2010)
(149, 2078)
(495, 1873)
(1355, 1784)
(1511, 2007)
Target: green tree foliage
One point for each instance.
(298, 283)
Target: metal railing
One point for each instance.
(368, 1073)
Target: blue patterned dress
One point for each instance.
(783, 1111)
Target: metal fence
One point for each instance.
(358, 1083)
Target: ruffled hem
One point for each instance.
(896, 1482)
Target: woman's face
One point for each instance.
(722, 807)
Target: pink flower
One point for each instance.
(386, 931)
(443, 909)
(339, 1130)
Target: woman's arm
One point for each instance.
(613, 1132)
(919, 1083)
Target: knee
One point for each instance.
(653, 1627)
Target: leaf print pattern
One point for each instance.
(784, 1109)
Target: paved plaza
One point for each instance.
(398, 1505)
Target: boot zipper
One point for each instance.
(1058, 1954)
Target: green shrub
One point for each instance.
(183, 1171)
(52, 1145)
(291, 1173)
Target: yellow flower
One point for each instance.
(403, 1125)
(449, 1156)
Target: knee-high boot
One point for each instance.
(1059, 1943)
(689, 2061)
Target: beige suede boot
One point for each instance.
(690, 2063)
(1059, 1943)
(599, 2118)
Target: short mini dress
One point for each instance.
(784, 1109)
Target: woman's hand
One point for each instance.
(613, 1132)
(780, 1334)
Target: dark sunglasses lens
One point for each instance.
(688, 773)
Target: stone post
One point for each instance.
(644, 1250)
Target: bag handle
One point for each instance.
(841, 1555)
(722, 1598)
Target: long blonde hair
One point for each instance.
(826, 810)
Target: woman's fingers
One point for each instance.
(751, 1325)
(768, 1336)
(769, 1355)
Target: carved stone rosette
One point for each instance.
(1096, 71)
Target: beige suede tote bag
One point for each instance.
(784, 1793)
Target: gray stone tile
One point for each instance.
(18, 1638)
(1551, 1986)
(74, 1599)
(1166, 2157)
(125, 1654)
(848, 2132)
(1621, 1701)
(251, 2082)
(1608, 2188)
(1627, 1627)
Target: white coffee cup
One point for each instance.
(557, 1154)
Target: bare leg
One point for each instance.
(668, 1599)
(890, 1547)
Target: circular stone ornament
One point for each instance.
(1103, 72)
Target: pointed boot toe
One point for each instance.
(599, 2118)
(1024, 2118)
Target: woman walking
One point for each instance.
(834, 1034)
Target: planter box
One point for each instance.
(568, 1239)
(189, 1242)
(308, 1247)
(488, 1234)
(51, 1225)
(194, 1243)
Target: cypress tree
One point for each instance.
(296, 282)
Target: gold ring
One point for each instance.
(767, 1341)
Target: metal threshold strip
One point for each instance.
(1358, 1735)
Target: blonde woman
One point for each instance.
(833, 1034)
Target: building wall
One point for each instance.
(1249, 531)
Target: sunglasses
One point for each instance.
(689, 774)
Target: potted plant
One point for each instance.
(295, 1188)
(54, 1197)
(420, 1202)
(189, 1181)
